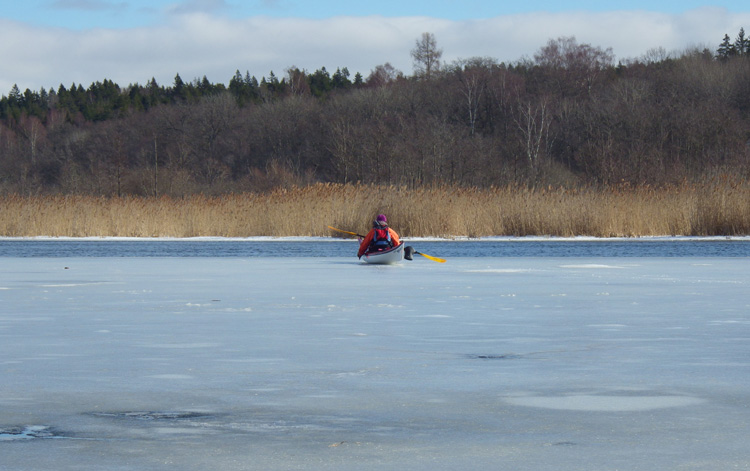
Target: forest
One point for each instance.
(568, 117)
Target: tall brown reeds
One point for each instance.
(714, 208)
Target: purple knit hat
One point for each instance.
(381, 218)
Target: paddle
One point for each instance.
(434, 259)
(429, 257)
(347, 232)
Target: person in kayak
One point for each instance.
(380, 237)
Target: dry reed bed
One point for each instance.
(710, 209)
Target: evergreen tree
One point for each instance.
(726, 49)
(358, 80)
(205, 86)
(320, 82)
(252, 85)
(178, 88)
(15, 98)
(242, 88)
(78, 93)
(44, 97)
(155, 93)
(236, 83)
(340, 79)
(14, 104)
(64, 100)
(33, 104)
(137, 100)
(271, 84)
(742, 44)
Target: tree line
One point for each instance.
(567, 116)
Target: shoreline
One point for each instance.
(448, 213)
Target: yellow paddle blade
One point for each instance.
(434, 259)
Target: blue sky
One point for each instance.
(86, 14)
(45, 43)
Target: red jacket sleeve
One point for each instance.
(366, 242)
(394, 237)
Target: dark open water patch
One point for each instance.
(499, 356)
(28, 432)
(154, 415)
(263, 422)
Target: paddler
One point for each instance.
(380, 237)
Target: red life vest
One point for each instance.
(381, 240)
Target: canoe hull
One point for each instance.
(385, 257)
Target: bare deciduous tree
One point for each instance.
(473, 75)
(534, 122)
(579, 65)
(32, 129)
(383, 75)
(297, 81)
(426, 56)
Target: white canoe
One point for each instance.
(392, 255)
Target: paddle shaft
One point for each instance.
(347, 232)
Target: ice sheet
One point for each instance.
(324, 363)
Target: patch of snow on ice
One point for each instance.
(591, 265)
(183, 345)
(171, 376)
(594, 403)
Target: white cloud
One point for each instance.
(199, 44)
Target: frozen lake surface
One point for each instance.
(244, 362)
